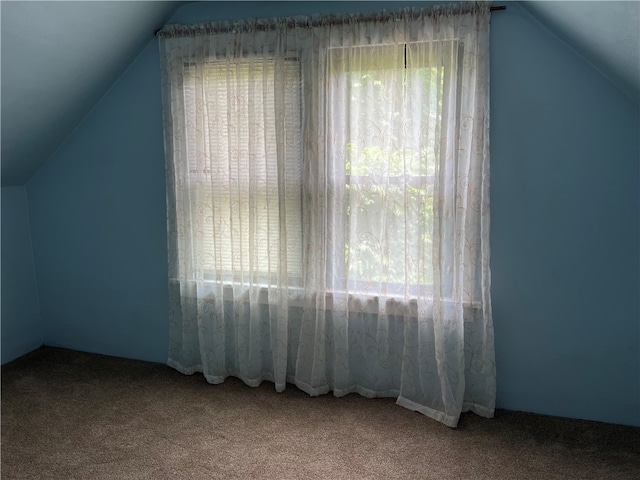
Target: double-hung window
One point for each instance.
(245, 167)
(384, 114)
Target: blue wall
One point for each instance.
(565, 218)
(21, 326)
(565, 156)
(99, 230)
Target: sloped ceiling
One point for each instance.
(58, 58)
(607, 34)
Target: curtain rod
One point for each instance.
(491, 9)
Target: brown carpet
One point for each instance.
(75, 415)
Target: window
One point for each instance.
(243, 212)
(383, 113)
(389, 98)
(326, 163)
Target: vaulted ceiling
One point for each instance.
(607, 34)
(59, 58)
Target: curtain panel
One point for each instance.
(328, 204)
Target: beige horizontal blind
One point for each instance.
(245, 186)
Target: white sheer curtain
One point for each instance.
(328, 205)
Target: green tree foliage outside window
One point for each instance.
(393, 179)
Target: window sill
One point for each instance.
(365, 302)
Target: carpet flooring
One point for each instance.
(72, 415)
